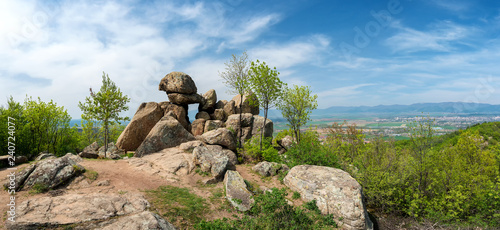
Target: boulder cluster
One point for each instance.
(156, 126)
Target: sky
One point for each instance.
(350, 53)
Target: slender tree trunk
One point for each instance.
(240, 126)
(263, 126)
(105, 137)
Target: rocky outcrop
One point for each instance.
(145, 118)
(190, 146)
(213, 125)
(247, 106)
(214, 159)
(112, 152)
(91, 151)
(179, 112)
(202, 115)
(88, 211)
(209, 100)
(236, 191)
(185, 99)
(45, 155)
(48, 173)
(168, 132)
(258, 123)
(167, 163)
(335, 192)
(198, 127)
(177, 82)
(286, 142)
(265, 168)
(221, 136)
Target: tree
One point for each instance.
(267, 87)
(296, 106)
(236, 78)
(105, 106)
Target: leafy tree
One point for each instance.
(267, 87)
(236, 78)
(105, 106)
(296, 106)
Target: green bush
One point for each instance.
(254, 153)
(311, 151)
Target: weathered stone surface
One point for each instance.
(202, 115)
(229, 108)
(236, 191)
(45, 155)
(246, 106)
(213, 125)
(286, 142)
(180, 113)
(168, 163)
(265, 168)
(258, 123)
(112, 152)
(198, 126)
(220, 136)
(335, 192)
(220, 104)
(168, 132)
(214, 159)
(89, 211)
(184, 99)
(218, 115)
(177, 82)
(48, 173)
(210, 99)
(189, 146)
(145, 118)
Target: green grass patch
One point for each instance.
(39, 188)
(91, 174)
(179, 205)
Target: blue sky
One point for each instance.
(350, 52)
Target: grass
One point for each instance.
(179, 205)
(91, 174)
(38, 188)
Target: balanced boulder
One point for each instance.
(168, 132)
(145, 118)
(209, 100)
(184, 99)
(335, 192)
(177, 82)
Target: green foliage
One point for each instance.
(266, 86)
(105, 106)
(272, 211)
(91, 174)
(295, 195)
(38, 188)
(311, 205)
(253, 152)
(310, 151)
(182, 207)
(296, 106)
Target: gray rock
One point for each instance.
(145, 118)
(180, 113)
(213, 125)
(112, 152)
(210, 99)
(48, 173)
(286, 142)
(218, 115)
(265, 168)
(220, 136)
(202, 115)
(89, 211)
(247, 106)
(45, 155)
(220, 104)
(258, 123)
(198, 126)
(103, 183)
(236, 191)
(229, 108)
(233, 121)
(335, 192)
(214, 159)
(168, 132)
(185, 99)
(189, 146)
(177, 82)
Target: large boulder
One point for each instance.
(209, 100)
(177, 82)
(214, 159)
(145, 118)
(45, 155)
(213, 125)
(168, 132)
(246, 106)
(220, 136)
(91, 151)
(202, 115)
(218, 115)
(190, 146)
(265, 168)
(185, 99)
(220, 104)
(87, 211)
(335, 192)
(286, 142)
(112, 152)
(233, 121)
(198, 127)
(47, 173)
(236, 191)
(180, 113)
(258, 123)
(168, 163)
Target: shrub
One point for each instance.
(310, 151)
(254, 153)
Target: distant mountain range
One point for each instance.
(418, 108)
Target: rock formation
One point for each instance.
(236, 191)
(265, 168)
(335, 192)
